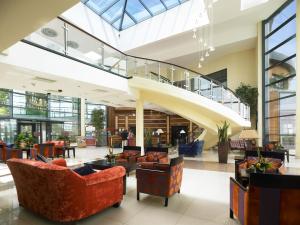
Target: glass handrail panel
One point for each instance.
(51, 36)
(179, 77)
(84, 47)
(165, 73)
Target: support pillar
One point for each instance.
(297, 138)
(259, 85)
(140, 124)
(82, 117)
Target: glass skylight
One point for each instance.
(122, 14)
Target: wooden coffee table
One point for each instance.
(103, 164)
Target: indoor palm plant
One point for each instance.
(223, 143)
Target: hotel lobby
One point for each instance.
(129, 112)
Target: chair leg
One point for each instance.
(166, 202)
(231, 214)
(179, 191)
(138, 196)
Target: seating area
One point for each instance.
(150, 112)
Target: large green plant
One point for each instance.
(249, 95)
(148, 137)
(97, 120)
(26, 138)
(223, 132)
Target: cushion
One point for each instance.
(147, 165)
(42, 158)
(150, 158)
(85, 170)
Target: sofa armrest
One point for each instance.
(141, 159)
(104, 175)
(59, 162)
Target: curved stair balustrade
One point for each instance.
(63, 38)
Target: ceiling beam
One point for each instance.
(162, 2)
(148, 10)
(107, 8)
(123, 14)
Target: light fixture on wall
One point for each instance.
(203, 33)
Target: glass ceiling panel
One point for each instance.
(117, 24)
(99, 6)
(127, 22)
(155, 6)
(114, 12)
(135, 9)
(170, 3)
(122, 14)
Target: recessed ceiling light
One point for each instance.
(93, 55)
(100, 90)
(247, 4)
(49, 32)
(44, 80)
(72, 44)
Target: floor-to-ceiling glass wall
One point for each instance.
(44, 116)
(279, 76)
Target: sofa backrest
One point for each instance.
(156, 149)
(267, 154)
(132, 148)
(41, 183)
(274, 199)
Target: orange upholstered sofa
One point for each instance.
(59, 194)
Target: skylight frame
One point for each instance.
(119, 26)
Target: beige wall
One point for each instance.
(241, 67)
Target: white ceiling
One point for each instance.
(234, 31)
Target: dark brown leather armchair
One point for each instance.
(160, 179)
(129, 157)
(269, 199)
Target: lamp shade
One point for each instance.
(182, 131)
(159, 131)
(248, 134)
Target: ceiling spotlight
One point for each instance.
(206, 54)
(212, 48)
(202, 59)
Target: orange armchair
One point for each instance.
(61, 195)
(154, 155)
(161, 179)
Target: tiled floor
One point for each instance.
(204, 198)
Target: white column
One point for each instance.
(297, 138)
(82, 117)
(259, 84)
(140, 124)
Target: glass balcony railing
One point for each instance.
(61, 37)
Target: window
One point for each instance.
(123, 14)
(279, 76)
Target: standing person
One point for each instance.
(130, 138)
(124, 136)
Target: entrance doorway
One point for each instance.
(179, 135)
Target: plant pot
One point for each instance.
(223, 149)
(23, 145)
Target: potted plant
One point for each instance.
(97, 121)
(24, 140)
(148, 137)
(65, 136)
(223, 144)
